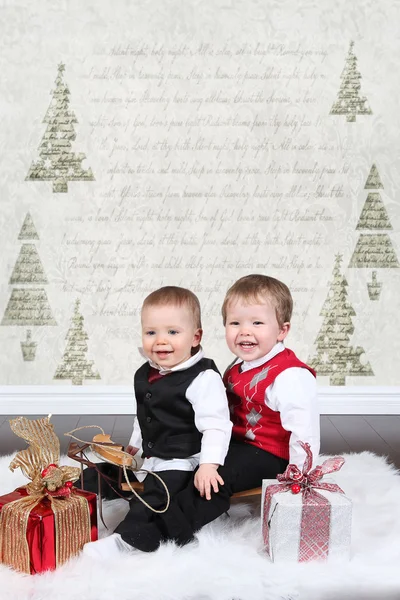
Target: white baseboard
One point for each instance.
(99, 400)
(359, 400)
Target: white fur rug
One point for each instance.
(227, 560)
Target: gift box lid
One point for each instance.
(43, 508)
(289, 499)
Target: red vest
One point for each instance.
(253, 421)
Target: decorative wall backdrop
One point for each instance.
(191, 143)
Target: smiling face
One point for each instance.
(168, 334)
(252, 330)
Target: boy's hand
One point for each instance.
(206, 477)
(131, 450)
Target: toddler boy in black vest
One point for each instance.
(182, 427)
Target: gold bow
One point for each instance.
(40, 463)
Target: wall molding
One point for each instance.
(98, 400)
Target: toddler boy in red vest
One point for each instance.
(272, 394)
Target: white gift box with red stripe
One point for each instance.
(304, 518)
(299, 532)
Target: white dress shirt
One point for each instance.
(294, 395)
(207, 396)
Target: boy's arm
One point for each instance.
(294, 395)
(210, 404)
(135, 443)
(207, 395)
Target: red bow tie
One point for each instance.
(154, 374)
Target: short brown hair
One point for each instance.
(178, 296)
(256, 288)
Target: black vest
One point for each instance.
(166, 417)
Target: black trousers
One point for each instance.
(245, 467)
(143, 528)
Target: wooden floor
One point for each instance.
(339, 433)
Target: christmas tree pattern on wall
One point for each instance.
(28, 306)
(349, 102)
(74, 365)
(335, 356)
(374, 250)
(57, 163)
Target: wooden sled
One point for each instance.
(114, 453)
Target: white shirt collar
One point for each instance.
(181, 367)
(252, 364)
